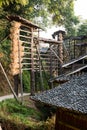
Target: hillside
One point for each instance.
(29, 116)
(4, 87)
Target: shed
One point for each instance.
(71, 102)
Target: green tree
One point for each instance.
(82, 28)
(42, 11)
(63, 14)
(71, 25)
(7, 2)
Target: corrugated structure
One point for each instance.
(70, 99)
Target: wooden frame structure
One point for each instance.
(76, 47)
(26, 54)
(23, 51)
(50, 56)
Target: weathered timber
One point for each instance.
(28, 37)
(50, 41)
(32, 66)
(56, 55)
(75, 60)
(11, 88)
(21, 30)
(25, 42)
(70, 120)
(22, 20)
(77, 70)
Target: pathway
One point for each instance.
(11, 96)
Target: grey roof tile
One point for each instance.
(71, 95)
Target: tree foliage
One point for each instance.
(7, 2)
(82, 28)
(58, 12)
(63, 14)
(42, 12)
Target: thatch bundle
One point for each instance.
(1, 54)
(15, 47)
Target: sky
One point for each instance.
(80, 9)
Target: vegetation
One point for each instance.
(82, 28)
(28, 116)
(43, 12)
(5, 51)
(26, 81)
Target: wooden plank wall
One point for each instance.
(69, 120)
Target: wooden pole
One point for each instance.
(11, 88)
(32, 65)
(60, 52)
(15, 58)
(40, 69)
(50, 62)
(20, 68)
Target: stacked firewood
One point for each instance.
(16, 48)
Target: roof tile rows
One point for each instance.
(71, 95)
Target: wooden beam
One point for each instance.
(25, 31)
(74, 61)
(11, 88)
(77, 70)
(25, 37)
(25, 42)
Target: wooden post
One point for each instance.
(11, 88)
(50, 62)
(59, 35)
(40, 64)
(16, 83)
(60, 50)
(74, 49)
(32, 65)
(14, 53)
(40, 69)
(51, 68)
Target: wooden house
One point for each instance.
(70, 99)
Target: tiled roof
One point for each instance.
(71, 95)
